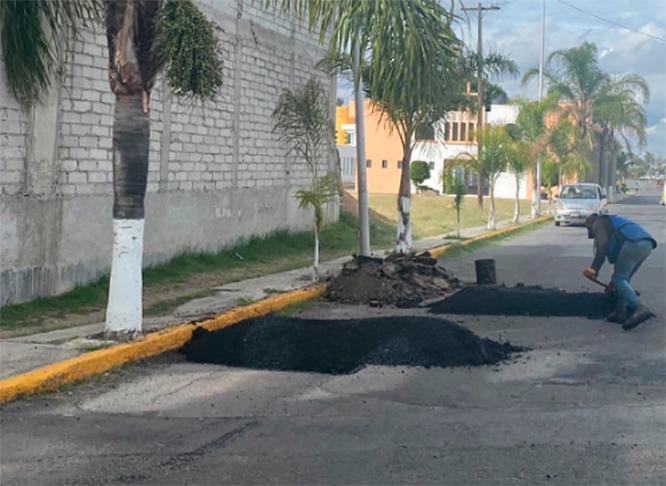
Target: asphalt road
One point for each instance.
(587, 405)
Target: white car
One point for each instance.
(576, 202)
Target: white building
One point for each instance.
(454, 137)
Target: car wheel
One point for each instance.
(557, 223)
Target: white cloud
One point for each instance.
(657, 138)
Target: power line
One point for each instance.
(612, 22)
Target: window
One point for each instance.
(455, 132)
(447, 132)
(431, 165)
(368, 163)
(425, 132)
(348, 139)
(384, 164)
(399, 164)
(463, 131)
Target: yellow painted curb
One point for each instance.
(440, 250)
(95, 362)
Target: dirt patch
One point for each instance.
(402, 280)
(524, 301)
(344, 346)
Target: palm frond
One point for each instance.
(32, 34)
(188, 47)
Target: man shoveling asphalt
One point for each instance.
(626, 245)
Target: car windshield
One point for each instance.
(578, 192)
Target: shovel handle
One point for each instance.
(598, 282)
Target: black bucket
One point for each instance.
(485, 272)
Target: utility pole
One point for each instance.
(361, 179)
(536, 197)
(479, 89)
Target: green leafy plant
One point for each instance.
(419, 171)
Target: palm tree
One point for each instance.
(491, 161)
(531, 128)
(619, 114)
(518, 163)
(591, 95)
(495, 65)
(405, 31)
(302, 123)
(143, 37)
(566, 149)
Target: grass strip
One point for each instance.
(458, 250)
(278, 251)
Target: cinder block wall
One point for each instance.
(217, 174)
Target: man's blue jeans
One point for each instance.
(631, 257)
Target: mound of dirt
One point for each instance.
(525, 301)
(402, 280)
(344, 346)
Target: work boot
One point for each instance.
(640, 315)
(619, 315)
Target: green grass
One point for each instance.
(458, 250)
(434, 215)
(275, 252)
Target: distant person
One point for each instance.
(626, 245)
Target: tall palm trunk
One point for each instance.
(404, 241)
(516, 208)
(479, 192)
(131, 140)
(130, 27)
(491, 207)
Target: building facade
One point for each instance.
(448, 140)
(217, 173)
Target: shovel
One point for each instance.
(606, 287)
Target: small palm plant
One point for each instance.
(459, 197)
(301, 120)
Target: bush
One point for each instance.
(419, 171)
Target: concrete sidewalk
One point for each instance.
(25, 353)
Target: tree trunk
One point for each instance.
(404, 241)
(516, 209)
(315, 267)
(479, 191)
(491, 207)
(602, 169)
(458, 223)
(131, 143)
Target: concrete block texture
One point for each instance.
(217, 173)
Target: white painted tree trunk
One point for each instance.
(124, 309)
(315, 267)
(404, 241)
(516, 208)
(458, 223)
(491, 207)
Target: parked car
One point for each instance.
(576, 202)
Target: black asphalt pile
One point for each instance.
(344, 346)
(524, 300)
(402, 280)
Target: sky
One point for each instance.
(514, 30)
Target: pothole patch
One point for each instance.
(524, 301)
(344, 346)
